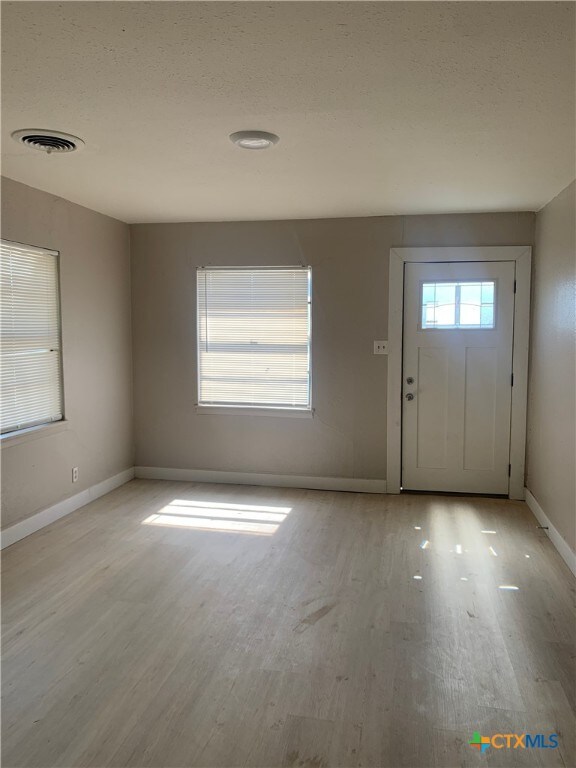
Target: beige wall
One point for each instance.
(95, 286)
(551, 454)
(349, 257)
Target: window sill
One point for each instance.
(233, 410)
(32, 433)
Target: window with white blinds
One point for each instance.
(254, 337)
(31, 376)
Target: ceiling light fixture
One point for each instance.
(254, 139)
(48, 141)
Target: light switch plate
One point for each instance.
(380, 347)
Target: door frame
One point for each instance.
(522, 255)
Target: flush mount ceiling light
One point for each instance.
(48, 141)
(254, 139)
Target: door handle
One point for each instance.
(409, 396)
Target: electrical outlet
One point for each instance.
(380, 347)
(74, 474)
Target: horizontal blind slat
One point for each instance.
(254, 336)
(30, 375)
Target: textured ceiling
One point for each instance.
(380, 107)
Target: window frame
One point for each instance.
(242, 409)
(37, 429)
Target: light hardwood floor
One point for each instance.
(129, 643)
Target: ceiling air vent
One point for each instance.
(48, 141)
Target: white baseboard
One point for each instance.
(356, 485)
(41, 519)
(562, 546)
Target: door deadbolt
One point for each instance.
(409, 380)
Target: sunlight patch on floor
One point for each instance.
(256, 520)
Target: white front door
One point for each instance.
(457, 376)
